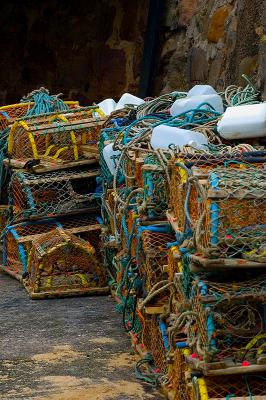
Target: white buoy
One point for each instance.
(190, 103)
(107, 106)
(108, 154)
(199, 90)
(128, 98)
(164, 135)
(240, 122)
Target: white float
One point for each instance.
(247, 121)
(164, 135)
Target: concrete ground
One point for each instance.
(64, 349)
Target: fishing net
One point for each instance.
(155, 187)
(225, 325)
(190, 172)
(59, 261)
(52, 193)
(153, 257)
(54, 137)
(9, 114)
(153, 342)
(232, 216)
(177, 375)
(234, 386)
(17, 240)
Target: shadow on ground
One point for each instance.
(64, 349)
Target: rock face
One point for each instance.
(86, 49)
(213, 41)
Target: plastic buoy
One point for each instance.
(109, 156)
(164, 135)
(190, 103)
(128, 98)
(107, 106)
(198, 90)
(246, 121)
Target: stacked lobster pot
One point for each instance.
(184, 239)
(52, 235)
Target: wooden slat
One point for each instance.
(56, 178)
(224, 263)
(236, 194)
(172, 220)
(49, 294)
(49, 166)
(11, 273)
(68, 126)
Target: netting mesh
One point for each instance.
(232, 219)
(59, 261)
(153, 257)
(18, 239)
(152, 339)
(52, 193)
(177, 375)
(235, 386)
(223, 327)
(155, 187)
(10, 113)
(54, 137)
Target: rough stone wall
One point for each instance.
(213, 41)
(86, 49)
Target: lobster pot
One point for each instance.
(54, 137)
(240, 387)
(155, 187)
(9, 114)
(153, 341)
(52, 193)
(232, 219)
(189, 175)
(17, 241)
(178, 272)
(227, 319)
(152, 257)
(60, 262)
(177, 375)
(184, 212)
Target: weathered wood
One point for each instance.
(239, 194)
(160, 309)
(49, 166)
(78, 229)
(224, 368)
(172, 220)
(58, 178)
(224, 263)
(152, 167)
(68, 126)
(9, 271)
(67, 292)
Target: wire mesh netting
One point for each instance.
(52, 193)
(59, 260)
(227, 328)
(9, 114)
(17, 240)
(153, 257)
(232, 220)
(152, 339)
(177, 375)
(55, 137)
(235, 386)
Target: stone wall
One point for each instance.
(213, 41)
(86, 49)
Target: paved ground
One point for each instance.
(64, 349)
